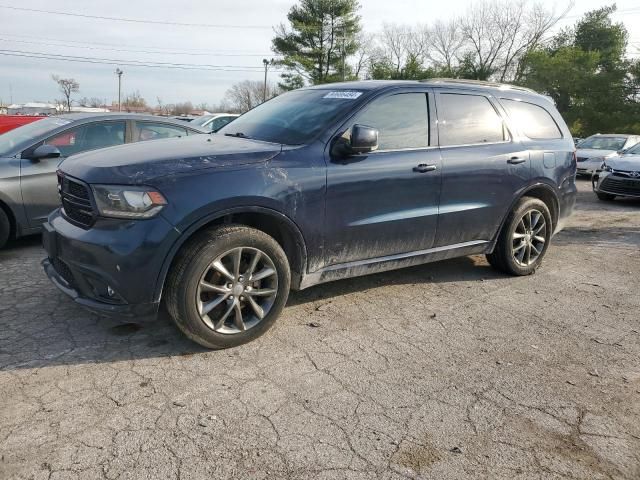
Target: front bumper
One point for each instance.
(110, 269)
(618, 184)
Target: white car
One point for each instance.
(592, 151)
(215, 121)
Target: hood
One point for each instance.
(627, 163)
(138, 163)
(590, 153)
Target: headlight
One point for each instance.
(124, 201)
(606, 168)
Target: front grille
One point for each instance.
(76, 201)
(621, 185)
(63, 270)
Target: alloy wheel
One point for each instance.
(237, 290)
(529, 238)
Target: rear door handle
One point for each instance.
(423, 168)
(516, 160)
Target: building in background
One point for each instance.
(32, 108)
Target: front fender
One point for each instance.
(196, 226)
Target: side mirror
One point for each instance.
(43, 152)
(363, 139)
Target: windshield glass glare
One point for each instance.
(603, 143)
(294, 118)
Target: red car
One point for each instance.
(9, 122)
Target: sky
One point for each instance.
(231, 36)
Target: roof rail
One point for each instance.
(478, 83)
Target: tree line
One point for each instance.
(584, 68)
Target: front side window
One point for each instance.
(402, 120)
(156, 131)
(468, 119)
(534, 121)
(88, 137)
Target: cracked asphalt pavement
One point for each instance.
(442, 371)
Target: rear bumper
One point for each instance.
(567, 201)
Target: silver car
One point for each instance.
(592, 151)
(215, 121)
(31, 154)
(619, 176)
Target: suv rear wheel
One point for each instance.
(524, 238)
(228, 286)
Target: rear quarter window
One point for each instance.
(532, 120)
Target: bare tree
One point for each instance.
(362, 57)
(394, 43)
(497, 33)
(133, 101)
(445, 41)
(245, 95)
(93, 102)
(67, 86)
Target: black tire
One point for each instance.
(181, 290)
(605, 197)
(5, 228)
(503, 257)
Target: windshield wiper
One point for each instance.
(237, 135)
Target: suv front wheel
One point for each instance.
(228, 286)
(524, 238)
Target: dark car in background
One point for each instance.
(316, 185)
(31, 154)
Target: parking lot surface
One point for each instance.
(449, 370)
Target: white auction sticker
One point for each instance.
(343, 94)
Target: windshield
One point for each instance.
(635, 150)
(293, 118)
(24, 134)
(603, 143)
(200, 121)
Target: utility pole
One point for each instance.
(119, 73)
(266, 69)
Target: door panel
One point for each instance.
(479, 180)
(381, 203)
(38, 178)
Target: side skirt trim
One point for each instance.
(393, 262)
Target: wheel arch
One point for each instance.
(272, 222)
(541, 191)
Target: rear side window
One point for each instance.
(401, 120)
(156, 131)
(533, 120)
(468, 119)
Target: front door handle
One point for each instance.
(423, 168)
(516, 160)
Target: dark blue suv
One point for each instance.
(315, 185)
